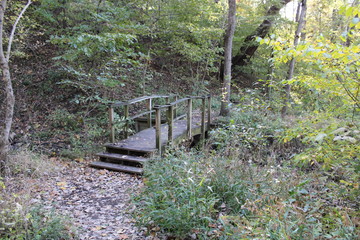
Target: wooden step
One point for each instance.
(115, 157)
(137, 151)
(117, 167)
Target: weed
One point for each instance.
(19, 219)
(28, 164)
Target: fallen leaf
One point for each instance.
(80, 160)
(97, 228)
(123, 236)
(60, 184)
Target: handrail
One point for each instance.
(139, 99)
(171, 114)
(126, 105)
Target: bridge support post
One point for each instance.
(203, 110)
(126, 114)
(149, 117)
(170, 120)
(189, 118)
(209, 113)
(111, 124)
(158, 129)
(175, 107)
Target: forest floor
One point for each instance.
(98, 202)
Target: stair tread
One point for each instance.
(117, 167)
(123, 157)
(134, 149)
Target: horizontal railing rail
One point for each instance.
(126, 105)
(171, 109)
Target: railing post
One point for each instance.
(209, 113)
(176, 106)
(203, 109)
(111, 124)
(126, 114)
(158, 129)
(170, 120)
(189, 118)
(149, 117)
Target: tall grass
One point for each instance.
(244, 185)
(19, 218)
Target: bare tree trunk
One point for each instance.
(249, 45)
(224, 111)
(300, 19)
(6, 80)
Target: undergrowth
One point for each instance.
(19, 217)
(248, 183)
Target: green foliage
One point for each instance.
(61, 118)
(326, 65)
(250, 132)
(331, 141)
(74, 135)
(20, 222)
(179, 200)
(98, 43)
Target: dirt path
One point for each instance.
(98, 201)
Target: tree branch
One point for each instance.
(2, 13)
(11, 38)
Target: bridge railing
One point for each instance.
(171, 113)
(126, 112)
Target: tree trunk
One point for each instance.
(224, 111)
(9, 112)
(6, 80)
(300, 19)
(249, 45)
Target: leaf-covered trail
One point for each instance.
(97, 201)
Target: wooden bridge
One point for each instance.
(175, 120)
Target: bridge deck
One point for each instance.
(145, 139)
(130, 154)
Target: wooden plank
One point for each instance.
(136, 100)
(117, 167)
(145, 142)
(135, 148)
(122, 157)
